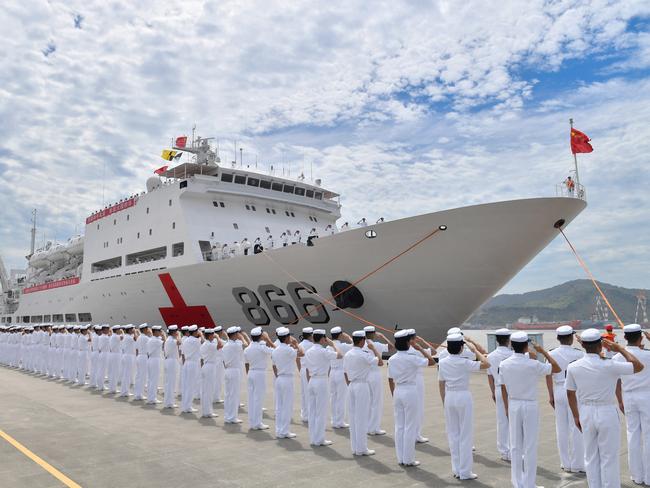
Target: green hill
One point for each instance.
(571, 300)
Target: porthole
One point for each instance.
(371, 234)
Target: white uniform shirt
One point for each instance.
(233, 354)
(638, 382)
(595, 378)
(306, 345)
(357, 363)
(102, 343)
(403, 367)
(257, 356)
(191, 348)
(154, 347)
(128, 344)
(141, 344)
(495, 358)
(114, 343)
(381, 349)
(564, 355)
(319, 360)
(465, 353)
(171, 348)
(454, 370)
(209, 351)
(284, 359)
(83, 344)
(519, 373)
(344, 347)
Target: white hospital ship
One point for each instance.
(185, 252)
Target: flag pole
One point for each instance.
(575, 159)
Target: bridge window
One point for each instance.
(178, 249)
(71, 317)
(253, 182)
(37, 318)
(318, 196)
(85, 317)
(47, 318)
(265, 184)
(277, 186)
(310, 193)
(106, 264)
(57, 317)
(227, 177)
(147, 256)
(240, 179)
(288, 188)
(300, 191)
(25, 319)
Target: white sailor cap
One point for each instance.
(97, 327)
(454, 330)
(156, 327)
(257, 331)
(282, 331)
(359, 333)
(208, 331)
(185, 327)
(399, 334)
(172, 328)
(307, 330)
(336, 330)
(238, 328)
(143, 326)
(193, 328)
(85, 327)
(319, 331)
(76, 327)
(519, 336)
(369, 328)
(232, 330)
(116, 327)
(632, 328)
(503, 332)
(564, 330)
(202, 329)
(411, 332)
(128, 326)
(590, 335)
(218, 328)
(455, 338)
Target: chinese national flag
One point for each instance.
(161, 170)
(181, 141)
(580, 142)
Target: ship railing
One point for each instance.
(561, 190)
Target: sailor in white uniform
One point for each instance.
(376, 381)
(103, 355)
(256, 357)
(591, 390)
(141, 361)
(338, 385)
(52, 351)
(172, 363)
(420, 382)
(83, 348)
(402, 380)
(191, 354)
(306, 343)
(233, 356)
(634, 394)
(519, 389)
(219, 369)
(357, 364)
(569, 438)
(128, 359)
(453, 377)
(284, 364)
(442, 353)
(94, 353)
(318, 360)
(208, 350)
(185, 333)
(154, 361)
(114, 358)
(502, 352)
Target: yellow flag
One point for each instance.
(168, 155)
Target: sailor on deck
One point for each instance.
(284, 364)
(191, 352)
(569, 438)
(306, 343)
(256, 357)
(172, 363)
(141, 361)
(634, 394)
(128, 359)
(591, 387)
(376, 381)
(233, 353)
(338, 385)
(154, 353)
(502, 352)
(208, 350)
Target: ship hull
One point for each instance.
(434, 285)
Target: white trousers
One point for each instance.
(304, 394)
(102, 361)
(459, 418)
(82, 366)
(503, 430)
(207, 388)
(233, 392)
(128, 365)
(377, 401)
(115, 359)
(419, 383)
(569, 438)
(338, 396)
(256, 391)
(191, 372)
(524, 427)
(358, 406)
(601, 434)
(637, 418)
(318, 402)
(219, 373)
(93, 367)
(405, 407)
(140, 376)
(283, 404)
(171, 374)
(153, 375)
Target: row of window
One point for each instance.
(128, 216)
(269, 185)
(56, 318)
(120, 240)
(155, 254)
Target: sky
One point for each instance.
(403, 107)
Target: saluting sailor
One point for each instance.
(338, 385)
(209, 358)
(453, 377)
(357, 364)
(191, 353)
(233, 356)
(402, 380)
(141, 361)
(284, 358)
(128, 359)
(94, 353)
(376, 381)
(114, 358)
(318, 361)
(569, 438)
(256, 356)
(185, 333)
(154, 353)
(172, 363)
(503, 351)
(219, 369)
(306, 343)
(102, 358)
(636, 400)
(420, 382)
(518, 376)
(83, 347)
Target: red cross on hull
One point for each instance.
(180, 313)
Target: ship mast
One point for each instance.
(33, 242)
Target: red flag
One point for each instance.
(181, 141)
(580, 142)
(161, 170)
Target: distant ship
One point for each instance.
(209, 243)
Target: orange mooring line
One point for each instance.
(591, 277)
